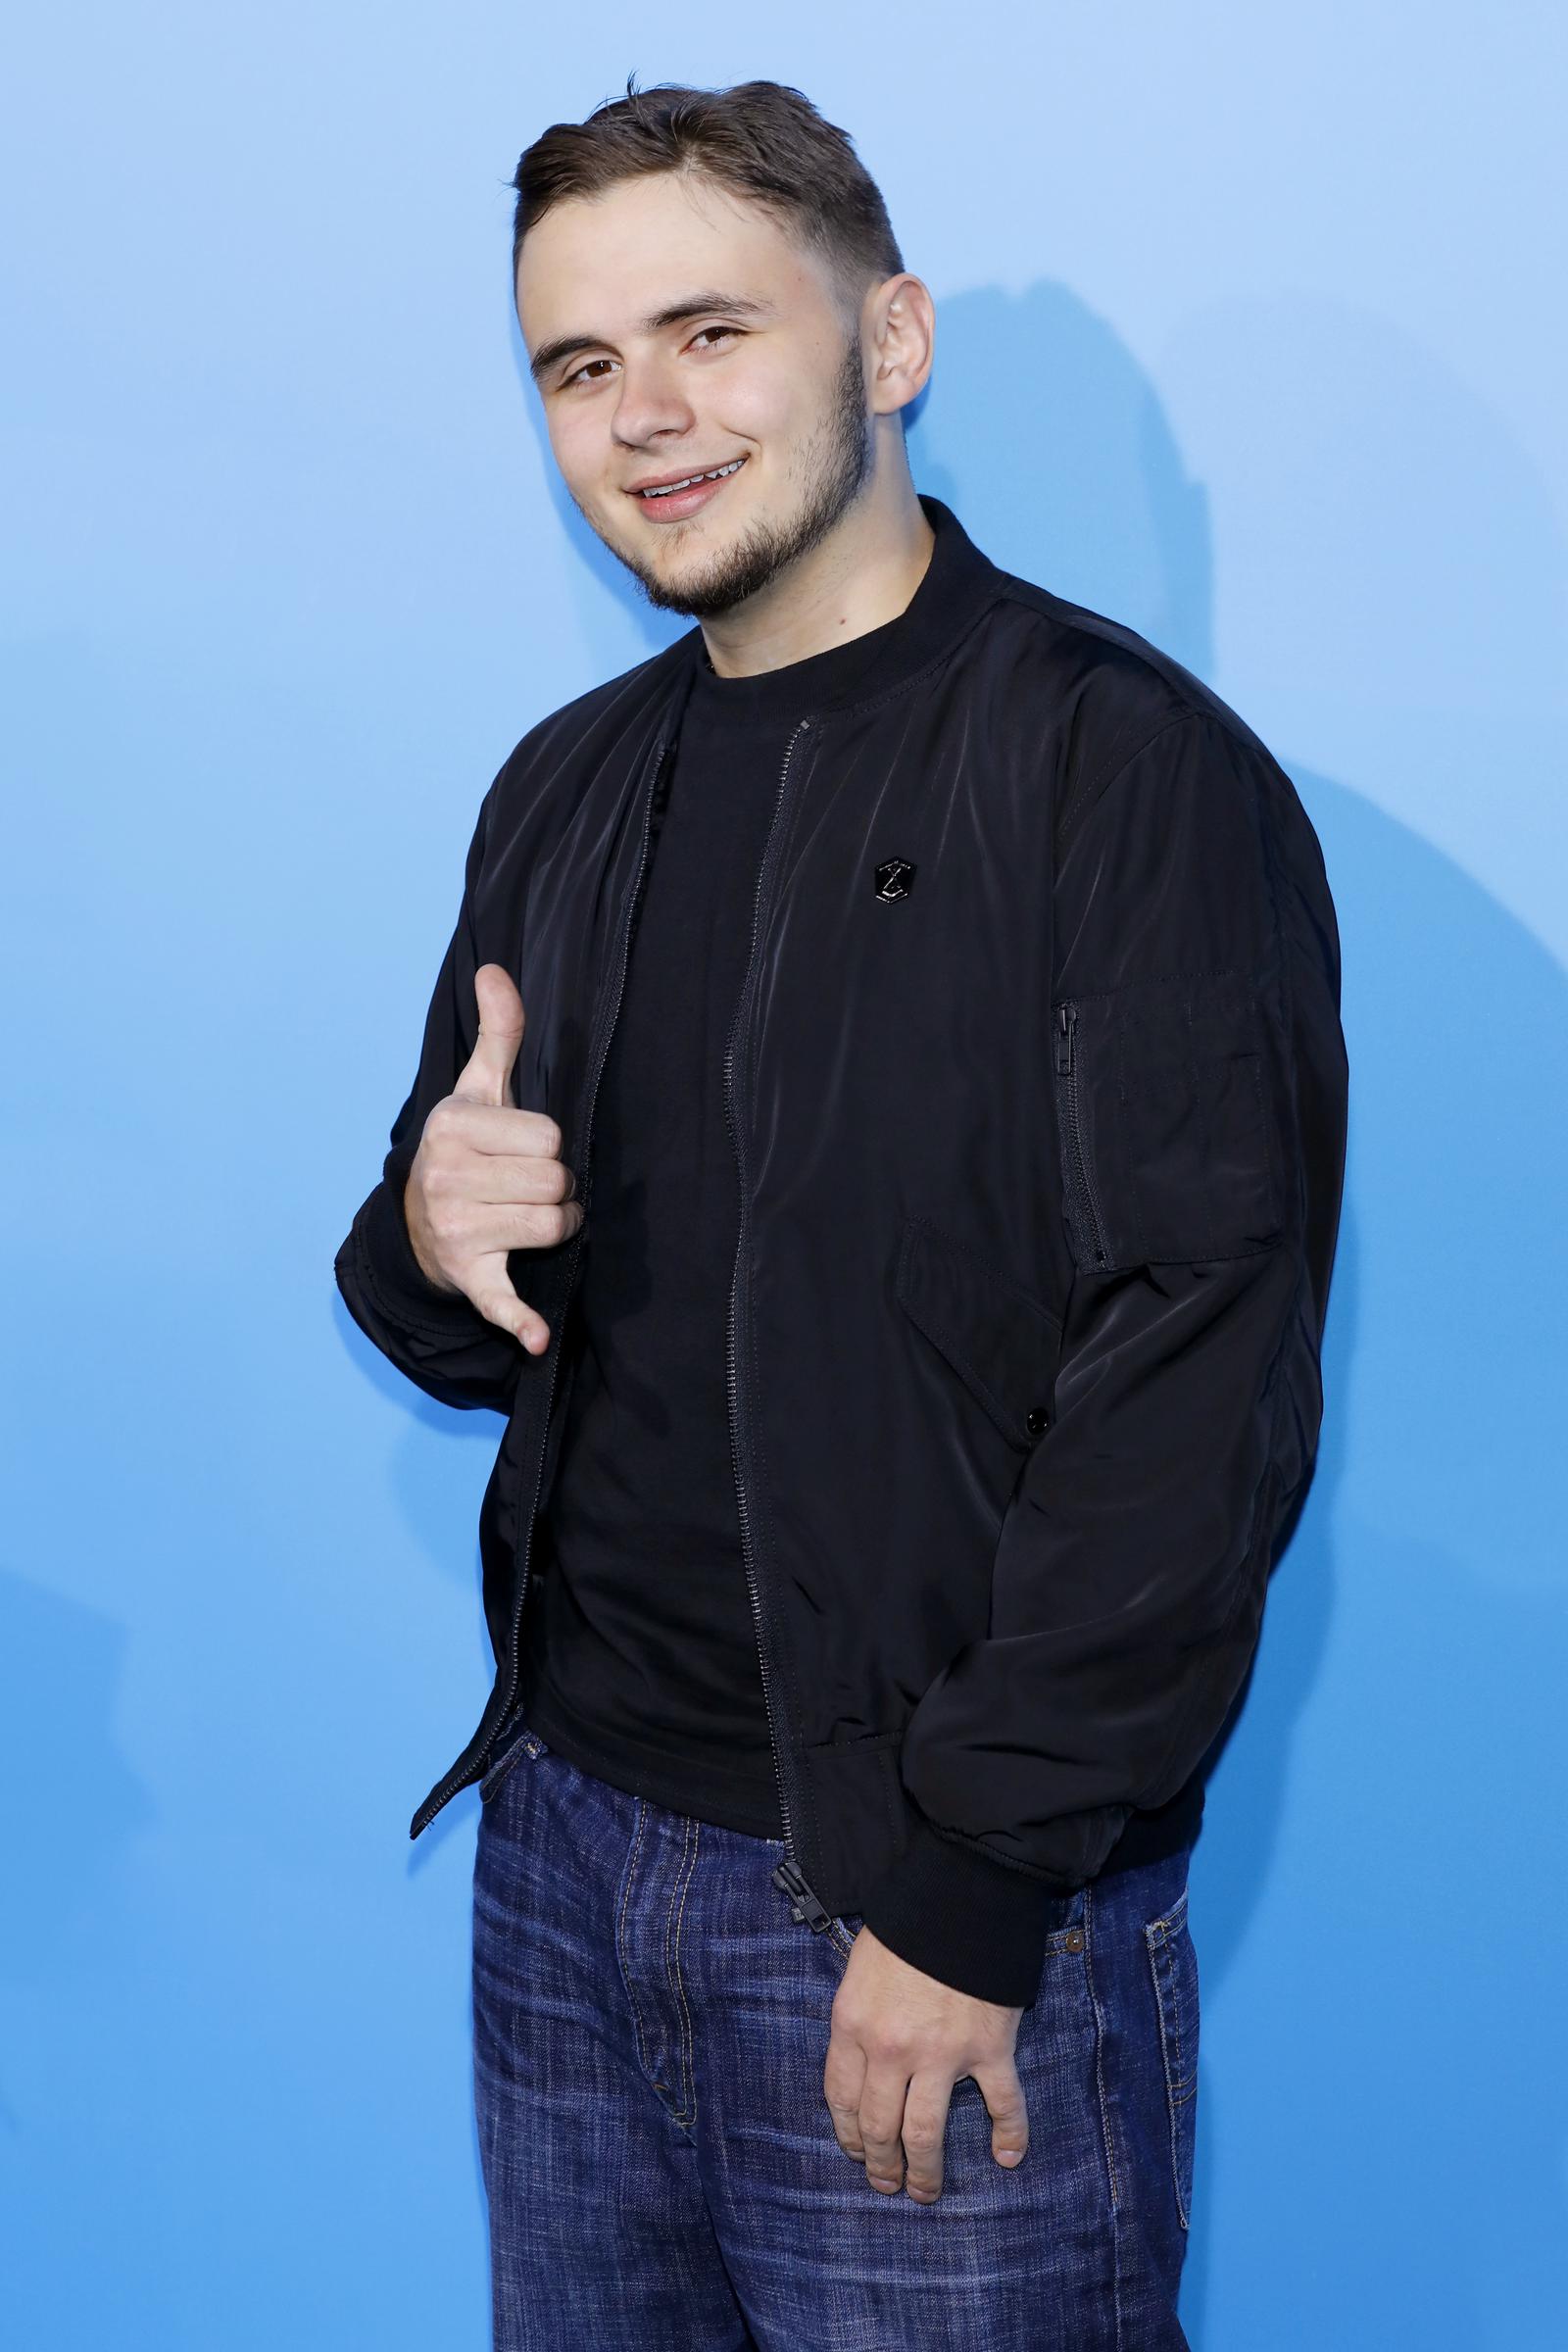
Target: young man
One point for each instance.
(878, 1138)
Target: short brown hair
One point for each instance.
(760, 139)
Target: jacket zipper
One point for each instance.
(1078, 1172)
(788, 1877)
(459, 1778)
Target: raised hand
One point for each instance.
(488, 1178)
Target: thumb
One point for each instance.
(483, 1078)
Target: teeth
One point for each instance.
(718, 475)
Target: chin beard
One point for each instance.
(838, 463)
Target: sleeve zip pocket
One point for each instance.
(1171, 1115)
(1083, 1209)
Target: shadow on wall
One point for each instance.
(67, 1814)
(1404, 583)
(1389, 1759)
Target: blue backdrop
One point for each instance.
(1249, 333)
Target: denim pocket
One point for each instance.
(841, 1933)
(522, 1742)
(1173, 1965)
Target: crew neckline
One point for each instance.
(848, 672)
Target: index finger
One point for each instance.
(500, 1303)
(498, 1127)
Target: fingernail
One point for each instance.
(1010, 2155)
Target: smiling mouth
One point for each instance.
(690, 481)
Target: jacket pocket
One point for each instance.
(1173, 1965)
(1000, 1339)
(1170, 1122)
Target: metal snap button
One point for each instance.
(1074, 1939)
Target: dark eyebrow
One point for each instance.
(673, 314)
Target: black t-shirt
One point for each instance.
(640, 1657)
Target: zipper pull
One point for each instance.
(804, 1906)
(1065, 1027)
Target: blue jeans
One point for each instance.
(650, 2030)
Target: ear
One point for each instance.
(901, 325)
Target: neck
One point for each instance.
(861, 575)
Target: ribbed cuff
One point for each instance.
(954, 1914)
(398, 1281)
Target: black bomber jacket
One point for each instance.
(1038, 1092)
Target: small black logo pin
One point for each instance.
(893, 877)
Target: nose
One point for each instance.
(651, 403)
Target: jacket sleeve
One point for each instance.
(437, 1337)
(1198, 1083)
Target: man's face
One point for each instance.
(762, 373)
